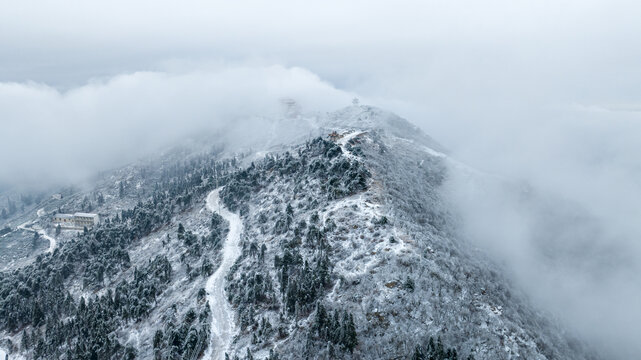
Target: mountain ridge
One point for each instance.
(349, 250)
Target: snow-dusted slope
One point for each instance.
(348, 251)
(222, 323)
(398, 269)
(372, 118)
(41, 232)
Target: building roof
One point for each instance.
(80, 214)
(63, 216)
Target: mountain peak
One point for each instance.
(365, 117)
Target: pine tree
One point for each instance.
(289, 211)
(34, 239)
(37, 316)
(272, 355)
(350, 340)
(25, 343)
(440, 351)
(418, 353)
(83, 306)
(409, 284)
(158, 339)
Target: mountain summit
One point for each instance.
(335, 242)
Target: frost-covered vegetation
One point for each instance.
(356, 227)
(291, 284)
(19, 247)
(115, 292)
(348, 252)
(292, 287)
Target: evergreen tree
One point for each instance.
(34, 239)
(409, 284)
(350, 341)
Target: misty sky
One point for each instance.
(543, 91)
(487, 79)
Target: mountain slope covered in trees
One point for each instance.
(348, 251)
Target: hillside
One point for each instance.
(346, 249)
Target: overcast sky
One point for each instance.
(483, 77)
(546, 91)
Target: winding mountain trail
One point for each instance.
(43, 233)
(222, 322)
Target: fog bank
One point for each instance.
(58, 136)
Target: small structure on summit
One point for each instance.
(291, 109)
(78, 220)
(334, 136)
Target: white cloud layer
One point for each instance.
(56, 136)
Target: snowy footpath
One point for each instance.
(222, 322)
(52, 241)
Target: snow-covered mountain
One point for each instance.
(330, 239)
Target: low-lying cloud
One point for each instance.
(564, 222)
(54, 136)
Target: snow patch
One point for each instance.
(345, 137)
